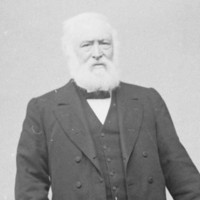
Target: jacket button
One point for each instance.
(145, 154)
(112, 173)
(78, 184)
(77, 159)
(101, 180)
(150, 180)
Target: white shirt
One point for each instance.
(100, 107)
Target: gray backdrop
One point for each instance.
(160, 48)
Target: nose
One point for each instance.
(97, 52)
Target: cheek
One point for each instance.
(84, 57)
(109, 54)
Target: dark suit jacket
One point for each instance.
(56, 149)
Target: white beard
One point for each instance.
(94, 79)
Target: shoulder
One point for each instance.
(48, 99)
(147, 95)
(140, 91)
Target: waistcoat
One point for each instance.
(106, 138)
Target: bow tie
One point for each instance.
(97, 95)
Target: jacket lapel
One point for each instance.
(69, 114)
(130, 112)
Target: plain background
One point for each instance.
(160, 48)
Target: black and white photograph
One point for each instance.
(100, 100)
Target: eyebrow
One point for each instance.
(87, 41)
(101, 41)
(92, 41)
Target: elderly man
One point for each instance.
(98, 138)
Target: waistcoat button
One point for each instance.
(150, 180)
(104, 147)
(145, 154)
(108, 160)
(78, 184)
(101, 180)
(112, 173)
(102, 134)
(78, 159)
(114, 188)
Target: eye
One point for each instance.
(86, 45)
(106, 44)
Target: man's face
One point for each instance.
(91, 59)
(93, 47)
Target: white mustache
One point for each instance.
(103, 61)
(99, 65)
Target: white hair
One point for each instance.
(72, 26)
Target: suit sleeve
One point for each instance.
(32, 177)
(181, 176)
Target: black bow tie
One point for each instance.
(97, 95)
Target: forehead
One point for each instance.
(92, 30)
